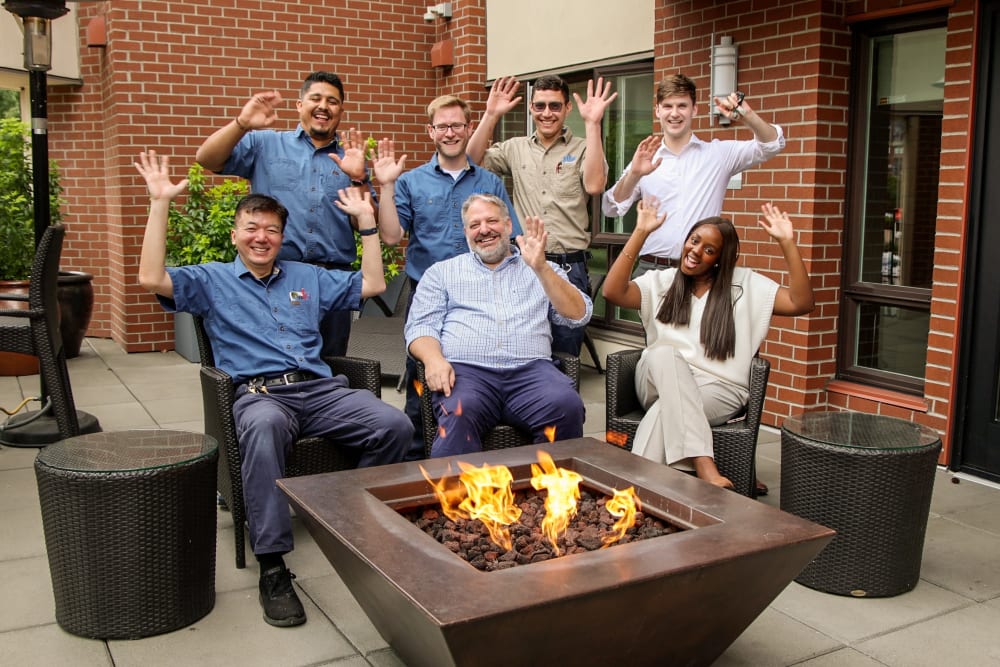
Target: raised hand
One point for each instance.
(649, 217)
(353, 163)
(642, 160)
(356, 202)
(259, 112)
(733, 106)
(503, 96)
(592, 109)
(387, 168)
(156, 171)
(532, 241)
(777, 224)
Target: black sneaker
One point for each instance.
(277, 596)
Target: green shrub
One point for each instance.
(17, 208)
(198, 229)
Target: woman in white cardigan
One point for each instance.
(704, 322)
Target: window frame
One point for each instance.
(854, 292)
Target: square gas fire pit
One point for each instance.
(678, 599)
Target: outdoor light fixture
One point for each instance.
(442, 9)
(724, 55)
(36, 20)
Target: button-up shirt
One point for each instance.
(497, 318)
(548, 182)
(263, 327)
(286, 166)
(690, 186)
(429, 205)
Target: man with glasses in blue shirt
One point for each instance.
(426, 202)
(303, 169)
(555, 174)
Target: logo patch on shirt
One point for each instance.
(296, 297)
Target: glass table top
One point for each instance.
(860, 430)
(120, 451)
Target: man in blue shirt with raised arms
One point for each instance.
(480, 323)
(304, 169)
(262, 315)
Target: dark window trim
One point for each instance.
(853, 291)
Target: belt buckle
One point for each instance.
(286, 377)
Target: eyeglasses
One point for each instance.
(443, 128)
(554, 107)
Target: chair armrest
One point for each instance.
(569, 365)
(620, 382)
(9, 296)
(361, 373)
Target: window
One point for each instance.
(892, 202)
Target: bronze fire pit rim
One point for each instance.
(455, 592)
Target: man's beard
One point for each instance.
(495, 254)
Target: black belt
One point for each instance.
(569, 257)
(285, 378)
(332, 265)
(660, 261)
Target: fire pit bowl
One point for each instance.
(678, 599)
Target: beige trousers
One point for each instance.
(682, 404)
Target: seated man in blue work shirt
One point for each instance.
(480, 323)
(263, 318)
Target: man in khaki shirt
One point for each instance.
(553, 177)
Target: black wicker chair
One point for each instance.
(310, 456)
(38, 331)
(503, 435)
(596, 280)
(735, 442)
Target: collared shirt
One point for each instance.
(263, 327)
(548, 182)
(286, 166)
(690, 186)
(495, 318)
(429, 204)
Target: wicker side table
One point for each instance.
(129, 520)
(869, 478)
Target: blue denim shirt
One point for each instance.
(263, 327)
(429, 203)
(286, 166)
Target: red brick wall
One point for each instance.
(174, 72)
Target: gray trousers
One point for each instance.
(682, 404)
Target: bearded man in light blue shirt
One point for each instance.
(481, 324)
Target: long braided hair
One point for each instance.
(718, 329)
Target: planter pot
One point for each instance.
(11, 363)
(76, 306)
(185, 342)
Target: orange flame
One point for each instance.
(624, 505)
(550, 433)
(563, 488)
(419, 386)
(487, 496)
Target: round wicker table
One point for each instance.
(129, 520)
(869, 478)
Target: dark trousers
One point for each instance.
(267, 426)
(568, 340)
(534, 397)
